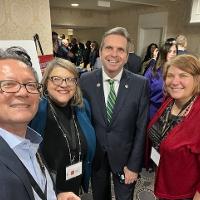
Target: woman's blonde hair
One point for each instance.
(181, 40)
(187, 63)
(77, 100)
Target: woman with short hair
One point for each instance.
(175, 132)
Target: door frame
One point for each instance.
(151, 21)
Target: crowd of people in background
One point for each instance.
(84, 55)
(124, 113)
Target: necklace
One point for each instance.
(168, 124)
(63, 131)
(186, 107)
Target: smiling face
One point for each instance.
(114, 54)
(61, 94)
(17, 109)
(179, 84)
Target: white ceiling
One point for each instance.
(114, 4)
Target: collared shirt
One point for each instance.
(106, 85)
(25, 149)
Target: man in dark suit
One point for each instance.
(120, 133)
(23, 175)
(134, 61)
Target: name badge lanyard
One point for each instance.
(168, 124)
(34, 184)
(155, 156)
(60, 126)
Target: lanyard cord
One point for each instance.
(34, 184)
(42, 167)
(64, 133)
(78, 135)
(168, 124)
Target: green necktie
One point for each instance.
(111, 100)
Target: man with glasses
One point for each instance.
(23, 175)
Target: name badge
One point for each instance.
(74, 170)
(155, 156)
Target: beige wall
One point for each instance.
(127, 18)
(80, 18)
(89, 34)
(21, 19)
(88, 25)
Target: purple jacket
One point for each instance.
(155, 88)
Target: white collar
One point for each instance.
(106, 77)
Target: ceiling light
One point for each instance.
(74, 4)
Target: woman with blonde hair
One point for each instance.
(63, 119)
(181, 42)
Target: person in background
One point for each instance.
(87, 53)
(119, 105)
(74, 50)
(181, 41)
(154, 75)
(63, 50)
(94, 54)
(175, 132)
(80, 54)
(153, 60)
(62, 36)
(134, 61)
(148, 57)
(170, 40)
(63, 120)
(98, 63)
(23, 175)
(55, 42)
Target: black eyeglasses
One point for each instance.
(57, 80)
(11, 86)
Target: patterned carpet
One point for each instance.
(143, 189)
(144, 186)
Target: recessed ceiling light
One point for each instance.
(74, 4)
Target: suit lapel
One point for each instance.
(123, 91)
(10, 159)
(100, 95)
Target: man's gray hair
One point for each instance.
(20, 54)
(117, 31)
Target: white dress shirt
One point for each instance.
(106, 85)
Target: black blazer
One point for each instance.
(123, 139)
(14, 182)
(134, 63)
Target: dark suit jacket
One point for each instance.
(14, 183)
(134, 63)
(122, 139)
